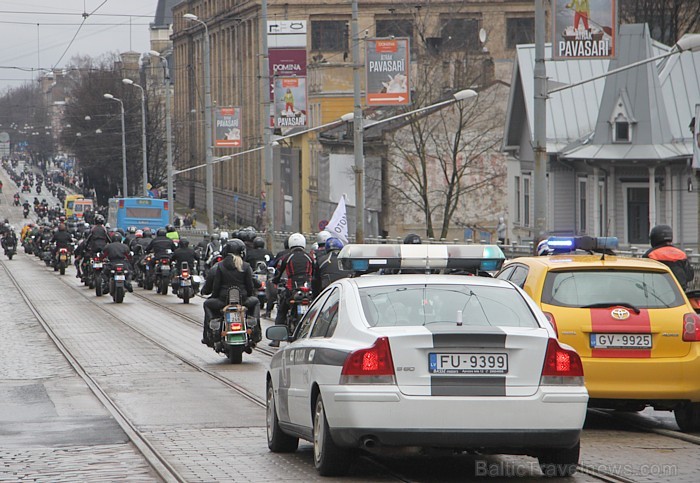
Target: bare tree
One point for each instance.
(445, 161)
(668, 20)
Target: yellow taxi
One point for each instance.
(628, 318)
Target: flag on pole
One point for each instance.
(338, 226)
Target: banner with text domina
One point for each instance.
(387, 66)
(228, 127)
(584, 29)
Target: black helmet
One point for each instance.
(161, 232)
(660, 234)
(258, 242)
(234, 247)
(169, 228)
(117, 237)
(184, 243)
(147, 232)
(412, 239)
(236, 234)
(99, 219)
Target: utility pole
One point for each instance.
(540, 128)
(358, 131)
(267, 132)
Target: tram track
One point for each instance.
(156, 460)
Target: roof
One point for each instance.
(164, 13)
(664, 107)
(569, 261)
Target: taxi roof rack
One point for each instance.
(393, 259)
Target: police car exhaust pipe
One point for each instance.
(369, 442)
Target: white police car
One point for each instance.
(425, 360)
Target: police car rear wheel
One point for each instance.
(329, 459)
(277, 440)
(558, 462)
(688, 416)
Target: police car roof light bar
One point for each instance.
(564, 244)
(366, 258)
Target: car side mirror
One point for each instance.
(277, 333)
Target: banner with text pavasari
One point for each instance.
(228, 127)
(290, 102)
(387, 66)
(584, 29)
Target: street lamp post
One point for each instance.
(358, 131)
(121, 105)
(129, 82)
(168, 134)
(207, 121)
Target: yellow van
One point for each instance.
(81, 206)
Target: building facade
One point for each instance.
(619, 148)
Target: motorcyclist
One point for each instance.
(298, 268)
(130, 235)
(98, 237)
(214, 246)
(60, 239)
(258, 253)
(119, 253)
(184, 253)
(662, 250)
(171, 232)
(231, 272)
(160, 245)
(327, 270)
(321, 238)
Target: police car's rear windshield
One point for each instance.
(583, 288)
(412, 305)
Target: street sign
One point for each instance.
(228, 127)
(387, 66)
(583, 29)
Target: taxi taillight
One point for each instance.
(691, 327)
(551, 320)
(372, 365)
(561, 366)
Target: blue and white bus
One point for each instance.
(138, 212)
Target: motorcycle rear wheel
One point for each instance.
(98, 289)
(163, 286)
(235, 354)
(186, 296)
(10, 255)
(119, 295)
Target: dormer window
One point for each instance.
(622, 131)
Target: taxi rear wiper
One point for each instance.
(611, 304)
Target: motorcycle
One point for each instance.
(261, 275)
(15, 201)
(28, 244)
(25, 212)
(38, 189)
(162, 274)
(95, 276)
(147, 273)
(117, 282)
(62, 260)
(299, 303)
(235, 331)
(9, 243)
(186, 285)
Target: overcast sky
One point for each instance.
(114, 26)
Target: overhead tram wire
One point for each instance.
(85, 17)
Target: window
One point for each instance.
(328, 318)
(396, 28)
(582, 288)
(506, 272)
(460, 34)
(304, 326)
(518, 204)
(413, 305)
(329, 35)
(519, 276)
(520, 31)
(622, 132)
(582, 204)
(526, 201)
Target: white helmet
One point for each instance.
(297, 240)
(224, 236)
(322, 237)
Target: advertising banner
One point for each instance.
(286, 33)
(696, 138)
(286, 63)
(387, 67)
(227, 129)
(584, 29)
(290, 102)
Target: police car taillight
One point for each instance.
(561, 366)
(372, 365)
(691, 327)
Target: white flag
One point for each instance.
(338, 226)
